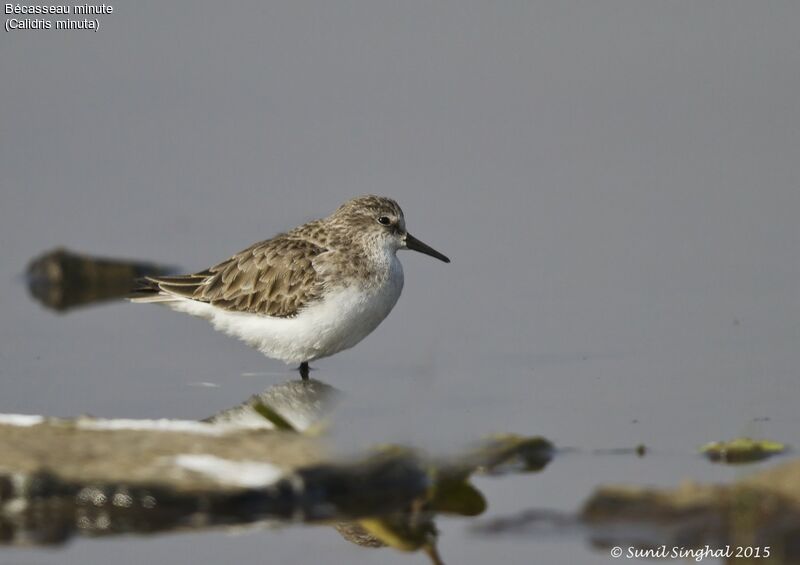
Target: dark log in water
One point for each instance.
(61, 279)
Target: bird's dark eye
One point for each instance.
(385, 220)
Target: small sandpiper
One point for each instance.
(307, 293)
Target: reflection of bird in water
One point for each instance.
(303, 406)
(305, 294)
(292, 405)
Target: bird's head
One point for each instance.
(382, 220)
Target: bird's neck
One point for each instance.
(371, 265)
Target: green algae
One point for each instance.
(742, 450)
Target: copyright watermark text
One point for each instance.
(697, 554)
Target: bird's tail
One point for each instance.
(146, 290)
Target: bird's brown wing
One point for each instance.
(274, 278)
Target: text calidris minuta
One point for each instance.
(307, 293)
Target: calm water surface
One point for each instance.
(617, 188)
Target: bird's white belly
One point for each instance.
(340, 320)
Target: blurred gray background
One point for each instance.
(617, 184)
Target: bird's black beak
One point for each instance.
(416, 245)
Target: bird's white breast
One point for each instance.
(343, 317)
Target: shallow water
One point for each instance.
(616, 186)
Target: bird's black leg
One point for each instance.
(304, 370)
